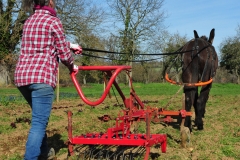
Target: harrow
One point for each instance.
(100, 145)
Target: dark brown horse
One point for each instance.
(200, 63)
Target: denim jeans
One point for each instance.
(40, 98)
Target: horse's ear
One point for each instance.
(195, 34)
(211, 36)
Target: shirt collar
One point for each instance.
(51, 10)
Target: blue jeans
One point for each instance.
(40, 98)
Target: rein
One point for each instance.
(157, 54)
(112, 52)
(112, 59)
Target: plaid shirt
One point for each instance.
(42, 42)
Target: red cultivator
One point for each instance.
(121, 135)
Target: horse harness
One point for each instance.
(195, 49)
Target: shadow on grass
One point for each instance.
(56, 142)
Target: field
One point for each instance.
(220, 139)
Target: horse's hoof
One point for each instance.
(185, 137)
(200, 127)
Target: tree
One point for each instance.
(81, 20)
(79, 17)
(139, 22)
(230, 54)
(169, 43)
(12, 18)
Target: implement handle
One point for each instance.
(116, 69)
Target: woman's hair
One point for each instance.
(28, 4)
(41, 2)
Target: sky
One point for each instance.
(184, 16)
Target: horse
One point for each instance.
(200, 62)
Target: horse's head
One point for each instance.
(200, 58)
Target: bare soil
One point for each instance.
(220, 138)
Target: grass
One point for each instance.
(141, 89)
(220, 138)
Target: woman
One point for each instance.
(43, 42)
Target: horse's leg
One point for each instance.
(201, 104)
(189, 100)
(195, 104)
(186, 127)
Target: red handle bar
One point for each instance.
(116, 69)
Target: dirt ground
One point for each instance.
(220, 138)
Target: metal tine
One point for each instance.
(83, 149)
(120, 152)
(99, 154)
(127, 155)
(79, 147)
(88, 152)
(94, 148)
(124, 155)
(140, 150)
(107, 153)
(92, 152)
(130, 154)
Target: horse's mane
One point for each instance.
(204, 37)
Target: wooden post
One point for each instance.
(58, 85)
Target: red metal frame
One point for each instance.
(135, 110)
(108, 70)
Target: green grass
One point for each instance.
(96, 90)
(225, 89)
(14, 157)
(6, 129)
(9, 91)
(220, 138)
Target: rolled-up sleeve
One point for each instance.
(62, 46)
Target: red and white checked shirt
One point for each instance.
(42, 42)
